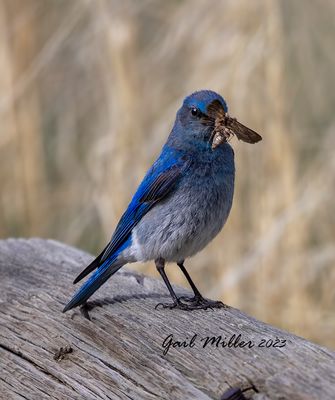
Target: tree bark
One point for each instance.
(119, 354)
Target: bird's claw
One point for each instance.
(195, 303)
(170, 306)
(200, 301)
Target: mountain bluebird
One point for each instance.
(182, 203)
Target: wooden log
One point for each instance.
(119, 354)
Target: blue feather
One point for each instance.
(100, 276)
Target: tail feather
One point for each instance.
(100, 276)
(94, 264)
(104, 270)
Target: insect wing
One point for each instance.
(244, 133)
(215, 110)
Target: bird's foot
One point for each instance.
(193, 303)
(198, 303)
(190, 299)
(169, 305)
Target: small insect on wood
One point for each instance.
(226, 126)
(62, 351)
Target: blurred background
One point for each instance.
(88, 95)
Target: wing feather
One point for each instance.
(155, 187)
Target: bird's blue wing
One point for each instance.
(148, 194)
(160, 180)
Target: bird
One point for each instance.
(182, 203)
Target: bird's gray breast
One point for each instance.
(190, 217)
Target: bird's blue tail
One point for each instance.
(100, 276)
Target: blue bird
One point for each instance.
(182, 203)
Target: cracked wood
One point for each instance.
(45, 354)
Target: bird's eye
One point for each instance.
(195, 112)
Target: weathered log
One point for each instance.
(45, 354)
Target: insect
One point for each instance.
(60, 354)
(226, 126)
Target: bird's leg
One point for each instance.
(197, 294)
(160, 265)
(197, 301)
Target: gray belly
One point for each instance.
(184, 223)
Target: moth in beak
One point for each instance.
(226, 126)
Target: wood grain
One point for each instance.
(119, 353)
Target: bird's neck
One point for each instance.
(202, 154)
(195, 141)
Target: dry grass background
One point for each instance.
(88, 94)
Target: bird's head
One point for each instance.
(193, 118)
(194, 126)
(203, 121)
(196, 104)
